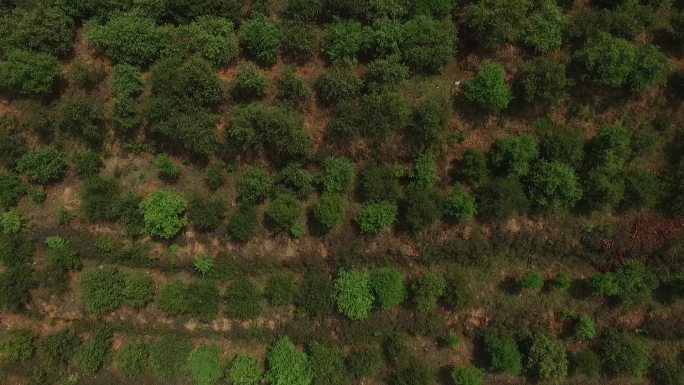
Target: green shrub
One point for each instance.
(336, 85)
(545, 27)
(167, 169)
(30, 74)
(138, 289)
(387, 73)
(562, 281)
(623, 355)
(56, 350)
(643, 189)
(99, 198)
(651, 68)
(37, 28)
(388, 287)
(426, 44)
(337, 174)
(379, 183)
(203, 264)
(131, 38)
(292, 91)
(242, 300)
(94, 353)
(608, 60)
(458, 293)
(244, 370)
(260, 39)
(384, 39)
(666, 371)
(315, 296)
(554, 185)
(630, 283)
(204, 364)
(295, 179)
(413, 373)
(12, 222)
(203, 300)
(173, 299)
(168, 356)
(44, 165)
(206, 214)
(587, 363)
(472, 168)
(459, 205)
(496, 22)
(467, 375)
(242, 222)
(353, 294)
(327, 364)
(81, 116)
(376, 217)
(514, 155)
(61, 253)
(585, 329)
(86, 76)
(213, 177)
(305, 10)
(287, 365)
(17, 345)
(503, 353)
(328, 211)
(546, 359)
(102, 289)
(532, 280)
(298, 40)
(427, 290)
(285, 214)
(87, 164)
(488, 88)
(125, 115)
(564, 145)
(429, 121)
(365, 363)
(162, 214)
(126, 81)
(212, 38)
(188, 84)
(343, 41)
(544, 80)
(249, 83)
(131, 358)
(280, 290)
(423, 207)
(37, 195)
(255, 185)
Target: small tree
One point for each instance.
(336, 85)
(426, 44)
(211, 37)
(138, 289)
(514, 155)
(242, 300)
(203, 264)
(585, 329)
(503, 352)
(94, 353)
(343, 41)
(429, 121)
(292, 90)
(427, 290)
(260, 38)
(280, 290)
(80, 116)
(298, 40)
(29, 74)
(45, 165)
(459, 205)
(623, 355)
(205, 364)
(242, 222)
(102, 289)
(385, 73)
(337, 174)
(328, 211)
(554, 185)
(162, 214)
(287, 365)
(255, 185)
(376, 217)
(496, 22)
(353, 294)
(327, 364)
(39, 28)
(167, 169)
(545, 27)
(206, 214)
(467, 375)
(131, 358)
(608, 60)
(532, 280)
(285, 213)
(472, 169)
(17, 345)
(488, 88)
(546, 359)
(168, 356)
(244, 370)
(249, 83)
(126, 81)
(388, 287)
(544, 80)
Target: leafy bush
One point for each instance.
(242, 300)
(544, 80)
(365, 363)
(86, 76)
(56, 350)
(131, 358)
(423, 207)
(11, 222)
(488, 88)
(37, 28)
(285, 214)
(298, 40)
(388, 287)
(213, 176)
(189, 84)
(15, 285)
(44, 165)
(643, 189)
(587, 363)
(242, 222)
(138, 289)
(545, 27)
(87, 164)
(212, 38)
(651, 67)
(429, 121)
(249, 83)
(204, 364)
(99, 198)
(327, 364)
(630, 283)
(514, 155)
(131, 38)
(29, 74)
(343, 40)
(546, 359)
(61, 253)
(305, 10)
(203, 300)
(167, 169)
(608, 60)
(296, 180)
(427, 44)
(81, 116)
(337, 174)
(17, 345)
(472, 168)
(94, 353)
(336, 85)
(383, 39)
(385, 73)
(458, 293)
(623, 355)
(532, 280)
(125, 115)
(353, 294)
(244, 370)
(585, 329)
(126, 81)
(379, 183)
(496, 22)
(172, 298)
(459, 205)
(206, 214)
(260, 38)
(315, 296)
(376, 217)
(503, 353)
(102, 289)
(280, 290)
(562, 281)
(162, 214)
(564, 145)
(467, 375)
(255, 185)
(427, 290)
(287, 365)
(554, 185)
(328, 211)
(168, 355)
(292, 90)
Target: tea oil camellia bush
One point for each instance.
(163, 213)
